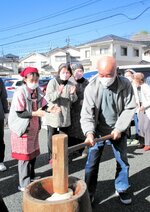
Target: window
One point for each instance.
(95, 52)
(104, 51)
(43, 63)
(19, 83)
(87, 54)
(124, 51)
(60, 58)
(147, 53)
(136, 52)
(75, 59)
(8, 65)
(32, 64)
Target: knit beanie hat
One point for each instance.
(77, 66)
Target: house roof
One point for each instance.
(144, 62)
(55, 50)
(70, 47)
(12, 56)
(5, 69)
(48, 67)
(29, 55)
(86, 62)
(8, 59)
(63, 49)
(109, 38)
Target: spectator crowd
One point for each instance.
(84, 110)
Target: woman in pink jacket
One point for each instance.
(24, 123)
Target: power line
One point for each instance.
(78, 25)
(79, 6)
(23, 51)
(75, 19)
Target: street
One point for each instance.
(105, 201)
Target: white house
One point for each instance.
(48, 63)
(37, 60)
(9, 63)
(124, 50)
(146, 54)
(144, 39)
(63, 55)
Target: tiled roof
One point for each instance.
(144, 62)
(7, 60)
(109, 38)
(63, 49)
(4, 69)
(29, 55)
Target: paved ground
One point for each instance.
(105, 199)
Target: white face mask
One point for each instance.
(78, 74)
(32, 86)
(107, 81)
(64, 75)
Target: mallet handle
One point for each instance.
(82, 145)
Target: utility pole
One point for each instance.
(68, 41)
(50, 48)
(2, 56)
(2, 52)
(68, 58)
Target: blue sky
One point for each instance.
(41, 25)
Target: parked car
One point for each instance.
(8, 78)
(88, 75)
(43, 83)
(12, 84)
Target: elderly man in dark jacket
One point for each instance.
(3, 116)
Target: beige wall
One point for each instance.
(112, 49)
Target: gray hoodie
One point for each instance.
(125, 104)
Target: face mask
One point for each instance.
(64, 76)
(32, 86)
(107, 81)
(78, 76)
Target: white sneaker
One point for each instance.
(134, 142)
(2, 167)
(21, 188)
(125, 197)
